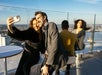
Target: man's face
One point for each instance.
(40, 20)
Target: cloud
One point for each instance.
(2, 7)
(9, 8)
(90, 1)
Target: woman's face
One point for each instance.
(35, 25)
(79, 24)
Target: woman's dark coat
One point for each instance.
(32, 47)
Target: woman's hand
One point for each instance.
(10, 21)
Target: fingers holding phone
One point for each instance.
(12, 20)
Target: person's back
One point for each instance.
(68, 40)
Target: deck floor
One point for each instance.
(91, 64)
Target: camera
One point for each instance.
(16, 19)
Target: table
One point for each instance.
(8, 51)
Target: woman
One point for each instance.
(33, 45)
(79, 29)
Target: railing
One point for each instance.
(94, 20)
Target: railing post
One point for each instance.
(92, 44)
(67, 15)
(78, 67)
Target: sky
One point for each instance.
(74, 6)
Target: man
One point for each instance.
(51, 43)
(68, 40)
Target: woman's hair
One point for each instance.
(31, 21)
(83, 26)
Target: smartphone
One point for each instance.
(16, 19)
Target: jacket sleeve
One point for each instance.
(52, 43)
(17, 34)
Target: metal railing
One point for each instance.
(92, 19)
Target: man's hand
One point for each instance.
(44, 70)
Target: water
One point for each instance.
(97, 36)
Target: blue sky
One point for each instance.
(74, 6)
(59, 5)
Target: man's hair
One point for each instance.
(42, 13)
(65, 24)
